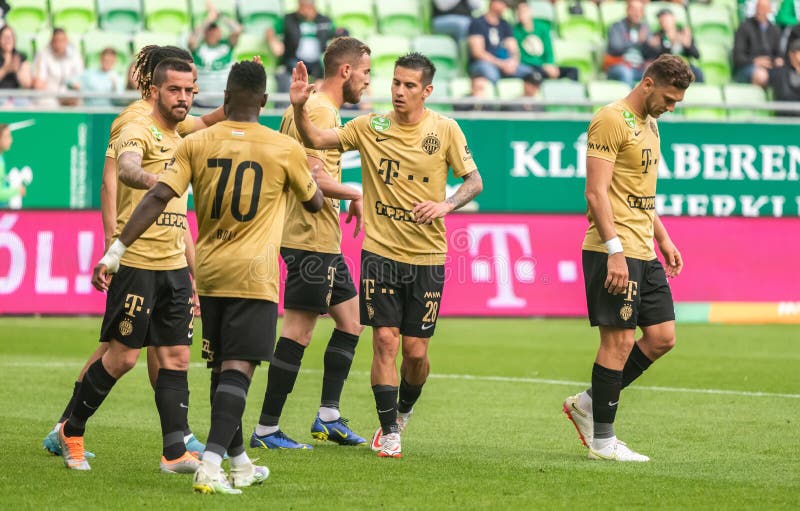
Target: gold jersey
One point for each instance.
(321, 231)
(162, 245)
(239, 172)
(136, 112)
(618, 135)
(403, 165)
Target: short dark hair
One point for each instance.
(248, 76)
(108, 50)
(670, 70)
(419, 62)
(794, 46)
(343, 50)
(170, 64)
(149, 57)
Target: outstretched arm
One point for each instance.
(428, 211)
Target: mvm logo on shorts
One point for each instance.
(432, 294)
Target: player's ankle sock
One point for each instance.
(338, 359)
(262, 430)
(96, 385)
(282, 374)
(408, 396)
(327, 414)
(240, 459)
(636, 364)
(386, 404)
(606, 387)
(172, 402)
(212, 458)
(68, 410)
(601, 443)
(585, 400)
(227, 410)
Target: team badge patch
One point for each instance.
(630, 120)
(431, 144)
(380, 123)
(626, 312)
(156, 133)
(370, 311)
(125, 327)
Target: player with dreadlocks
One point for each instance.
(148, 58)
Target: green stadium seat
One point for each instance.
(250, 45)
(699, 94)
(612, 11)
(399, 18)
(145, 38)
(576, 53)
(460, 87)
(74, 16)
(380, 87)
(28, 16)
(652, 9)
(715, 62)
(24, 43)
(200, 12)
(733, 9)
(606, 91)
(744, 93)
(169, 17)
(710, 25)
(544, 11)
(579, 27)
(510, 88)
(96, 41)
(356, 16)
(124, 16)
(443, 52)
(385, 50)
(440, 91)
(258, 15)
(563, 90)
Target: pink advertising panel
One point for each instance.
(498, 265)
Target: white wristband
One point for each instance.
(613, 246)
(113, 255)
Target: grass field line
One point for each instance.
(464, 377)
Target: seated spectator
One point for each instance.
(56, 69)
(479, 89)
(670, 38)
(627, 42)
(103, 79)
(15, 71)
(756, 47)
(493, 51)
(213, 54)
(536, 46)
(305, 35)
(453, 17)
(785, 80)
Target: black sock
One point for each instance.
(96, 385)
(283, 369)
(214, 385)
(338, 359)
(237, 442)
(386, 404)
(606, 386)
(68, 410)
(172, 402)
(636, 364)
(408, 396)
(227, 410)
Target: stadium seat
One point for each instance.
(461, 87)
(385, 50)
(510, 88)
(576, 53)
(611, 12)
(543, 10)
(710, 25)
(96, 41)
(585, 26)
(249, 46)
(563, 90)
(399, 18)
(29, 16)
(715, 62)
(144, 38)
(744, 94)
(701, 94)
(169, 17)
(354, 15)
(258, 15)
(440, 91)
(380, 87)
(200, 11)
(74, 16)
(733, 9)
(443, 52)
(25, 44)
(606, 91)
(653, 8)
(124, 16)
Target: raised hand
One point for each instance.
(300, 90)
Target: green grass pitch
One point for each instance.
(719, 416)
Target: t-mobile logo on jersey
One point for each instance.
(498, 268)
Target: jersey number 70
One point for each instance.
(226, 164)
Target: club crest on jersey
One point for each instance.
(630, 120)
(157, 134)
(431, 143)
(370, 311)
(626, 312)
(380, 123)
(125, 327)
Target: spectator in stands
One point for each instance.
(15, 71)
(536, 47)
(453, 17)
(493, 51)
(627, 42)
(785, 80)
(104, 79)
(212, 53)
(56, 69)
(305, 35)
(4, 8)
(756, 47)
(8, 191)
(670, 38)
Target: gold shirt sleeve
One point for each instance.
(606, 134)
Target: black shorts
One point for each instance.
(237, 329)
(149, 307)
(400, 295)
(647, 302)
(315, 281)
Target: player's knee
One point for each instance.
(352, 327)
(385, 343)
(415, 353)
